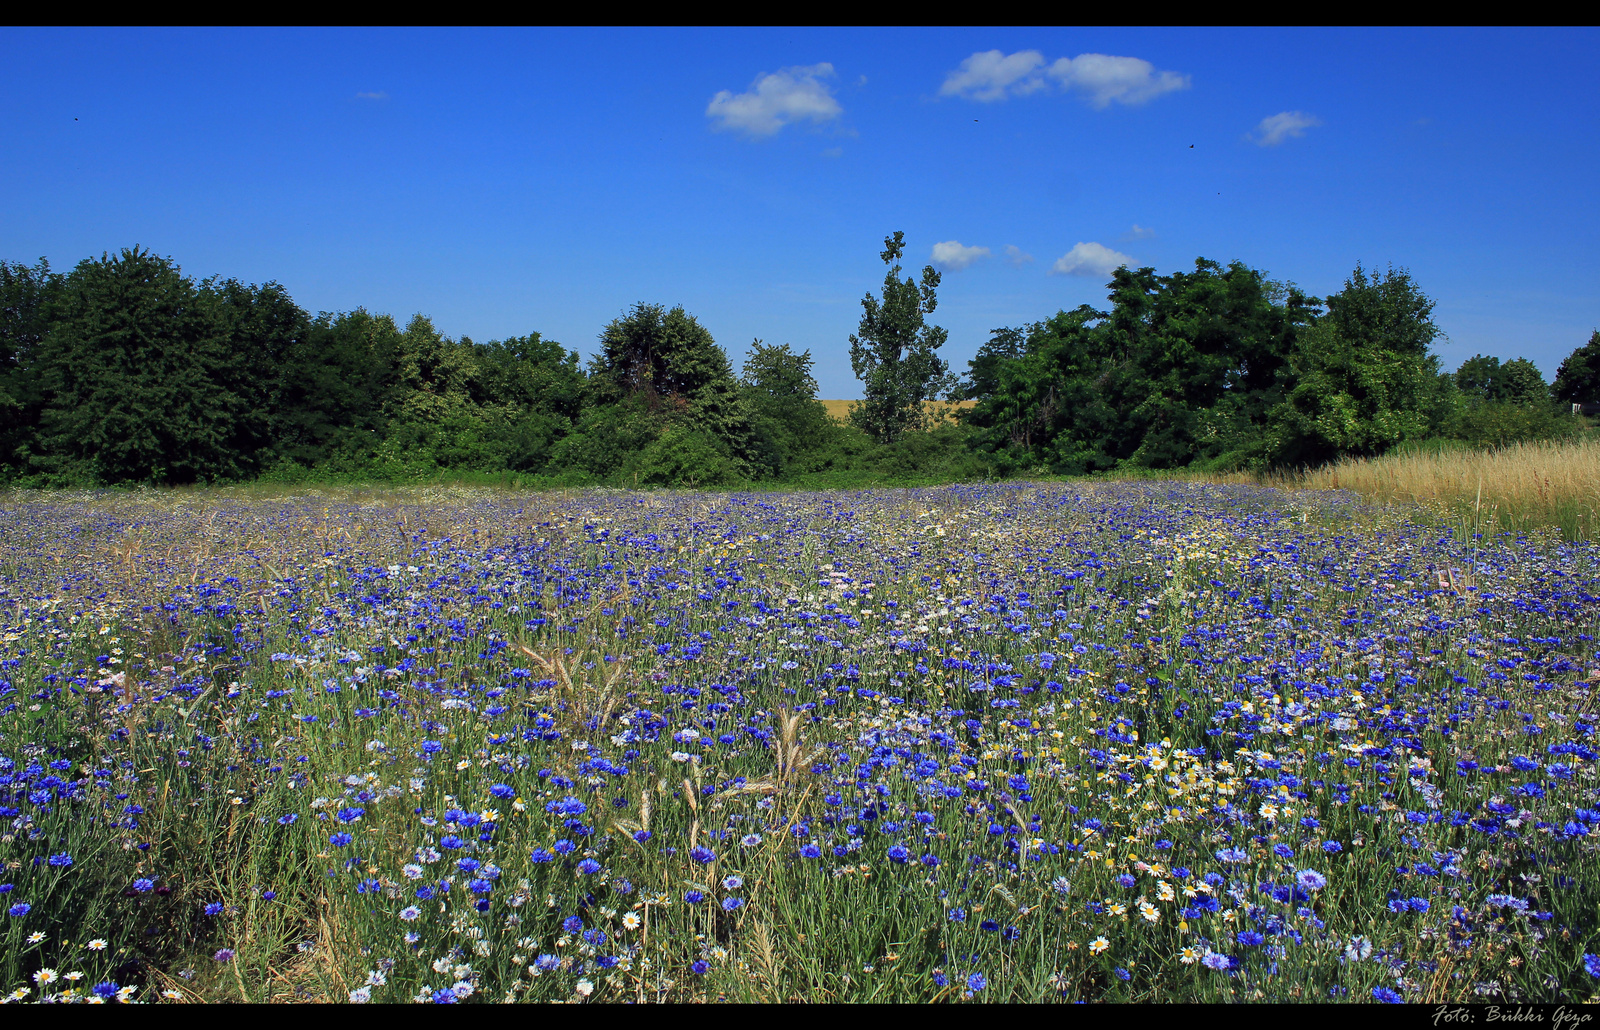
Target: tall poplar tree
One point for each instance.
(893, 351)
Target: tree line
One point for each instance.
(126, 371)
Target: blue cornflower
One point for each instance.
(1232, 856)
(700, 968)
(1591, 963)
(730, 904)
(450, 841)
(144, 886)
(106, 989)
(224, 955)
(1126, 880)
(1384, 994)
(563, 847)
(501, 790)
(1215, 960)
(693, 897)
(588, 867)
(1310, 880)
(931, 861)
(732, 882)
(977, 982)
(285, 820)
(20, 909)
(1249, 938)
(214, 909)
(1332, 847)
(810, 851)
(540, 855)
(1123, 974)
(898, 854)
(339, 840)
(572, 924)
(62, 860)
(703, 855)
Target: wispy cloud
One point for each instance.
(1016, 257)
(990, 75)
(1138, 232)
(1281, 126)
(372, 96)
(1125, 80)
(1090, 259)
(954, 257)
(791, 95)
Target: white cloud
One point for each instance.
(790, 95)
(1126, 80)
(988, 75)
(1090, 259)
(1138, 232)
(1016, 256)
(1283, 125)
(954, 257)
(833, 152)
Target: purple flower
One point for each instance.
(1310, 880)
(225, 955)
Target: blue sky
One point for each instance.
(507, 181)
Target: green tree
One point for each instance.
(669, 362)
(1578, 378)
(983, 371)
(1523, 383)
(1479, 377)
(263, 328)
(893, 351)
(1361, 379)
(790, 423)
(26, 295)
(131, 368)
(337, 388)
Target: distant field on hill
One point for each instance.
(840, 410)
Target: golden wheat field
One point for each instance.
(1519, 487)
(839, 411)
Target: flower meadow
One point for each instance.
(1075, 742)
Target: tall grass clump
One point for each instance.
(1520, 487)
(1068, 742)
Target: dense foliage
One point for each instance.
(126, 371)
